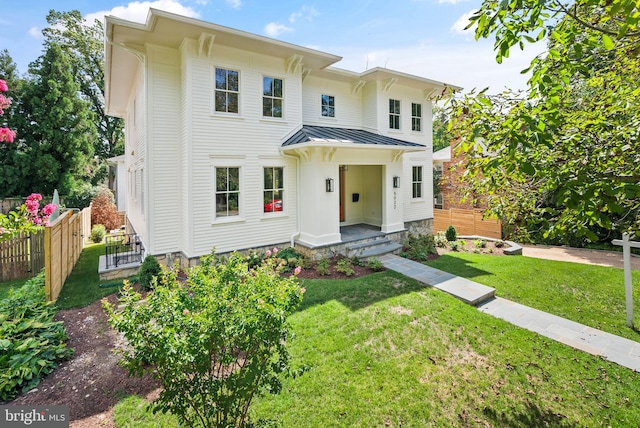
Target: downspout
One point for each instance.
(297, 233)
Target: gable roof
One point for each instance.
(325, 134)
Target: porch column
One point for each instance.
(319, 209)
(392, 199)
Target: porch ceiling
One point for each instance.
(340, 137)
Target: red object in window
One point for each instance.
(273, 205)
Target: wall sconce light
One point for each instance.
(329, 184)
(396, 182)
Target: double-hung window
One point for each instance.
(328, 106)
(394, 114)
(227, 191)
(416, 182)
(227, 91)
(416, 117)
(272, 97)
(273, 189)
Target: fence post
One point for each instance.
(47, 263)
(626, 257)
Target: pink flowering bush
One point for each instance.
(26, 218)
(6, 134)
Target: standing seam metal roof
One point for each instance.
(357, 136)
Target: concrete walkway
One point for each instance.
(613, 348)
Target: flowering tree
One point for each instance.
(6, 134)
(29, 217)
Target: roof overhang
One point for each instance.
(125, 43)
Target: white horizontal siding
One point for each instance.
(348, 105)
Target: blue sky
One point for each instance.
(421, 37)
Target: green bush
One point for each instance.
(31, 343)
(149, 269)
(375, 264)
(418, 247)
(479, 243)
(440, 240)
(322, 266)
(450, 233)
(215, 342)
(98, 232)
(454, 245)
(292, 259)
(345, 266)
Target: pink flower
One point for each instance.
(303, 290)
(32, 206)
(297, 270)
(185, 311)
(275, 251)
(49, 209)
(3, 86)
(260, 302)
(34, 197)
(7, 135)
(268, 253)
(4, 103)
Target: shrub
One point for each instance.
(418, 247)
(440, 240)
(104, 211)
(97, 233)
(322, 266)
(375, 264)
(81, 196)
(499, 244)
(215, 342)
(31, 343)
(454, 245)
(345, 266)
(292, 259)
(479, 243)
(149, 269)
(450, 233)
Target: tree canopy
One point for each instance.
(562, 162)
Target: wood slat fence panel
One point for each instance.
(64, 241)
(22, 256)
(467, 222)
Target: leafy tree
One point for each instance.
(215, 342)
(55, 127)
(84, 44)
(561, 163)
(441, 131)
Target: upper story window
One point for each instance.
(272, 90)
(416, 182)
(416, 117)
(227, 191)
(273, 189)
(394, 114)
(227, 90)
(328, 106)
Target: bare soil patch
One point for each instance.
(469, 246)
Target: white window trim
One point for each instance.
(399, 128)
(228, 163)
(285, 199)
(284, 98)
(331, 118)
(421, 117)
(213, 92)
(420, 198)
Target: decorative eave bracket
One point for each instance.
(430, 94)
(136, 50)
(357, 87)
(205, 44)
(388, 84)
(294, 63)
(305, 72)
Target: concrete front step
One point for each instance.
(372, 248)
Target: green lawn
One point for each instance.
(8, 285)
(384, 350)
(591, 295)
(83, 286)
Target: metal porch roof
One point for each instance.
(342, 135)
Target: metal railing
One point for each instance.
(122, 249)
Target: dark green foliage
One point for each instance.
(418, 247)
(31, 343)
(98, 232)
(292, 259)
(149, 269)
(215, 342)
(451, 233)
(81, 196)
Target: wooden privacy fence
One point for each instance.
(63, 242)
(22, 256)
(467, 222)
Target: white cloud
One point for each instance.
(450, 1)
(35, 33)
(274, 29)
(305, 12)
(137, 11)
(235, 3)
(462, 22)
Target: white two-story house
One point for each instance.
(236, 141)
